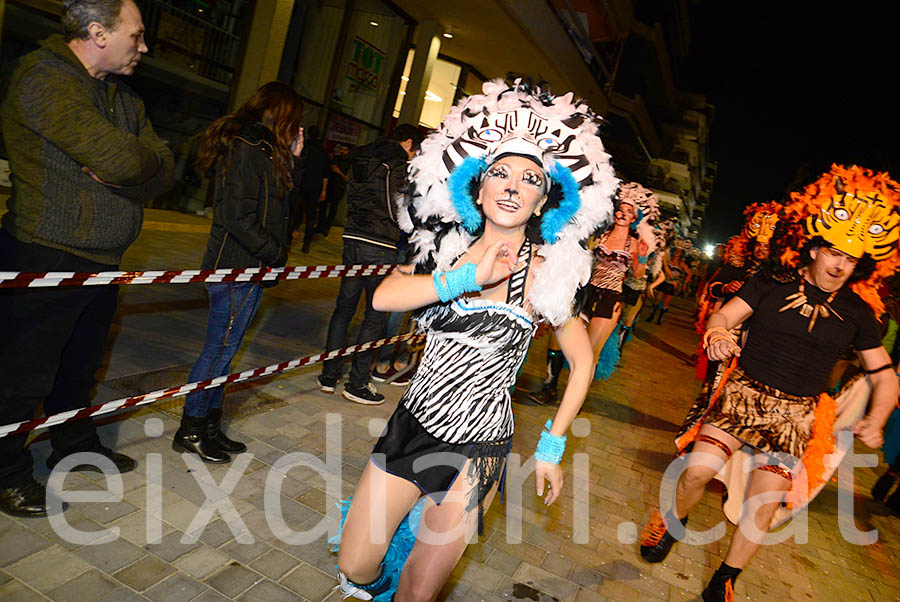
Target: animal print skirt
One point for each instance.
(763, 416)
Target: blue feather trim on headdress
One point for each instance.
(556, 218)
(637, 219)
(460, 186)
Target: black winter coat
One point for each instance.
(250, 214)
(378, 172)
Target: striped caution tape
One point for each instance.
(45, 279)
(148, 398)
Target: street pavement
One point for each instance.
(154, 542)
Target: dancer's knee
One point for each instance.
(358, 569)
(695, 478)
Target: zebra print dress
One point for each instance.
(459, 400)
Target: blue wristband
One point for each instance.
(643, 258)
(459, 281)
(442, 289)
(550, 447)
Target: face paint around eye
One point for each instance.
(529, 177)
(497, 172)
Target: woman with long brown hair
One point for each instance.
(252, 152)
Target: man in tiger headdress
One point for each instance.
(843, 232)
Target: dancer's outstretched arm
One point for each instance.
(576, 347)
(404, 291)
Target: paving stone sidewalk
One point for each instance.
(580, 549)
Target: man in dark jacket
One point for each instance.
(338, 175)
(84, 160)
(371, 236)
(315, 162)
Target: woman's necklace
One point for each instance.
(812, 312)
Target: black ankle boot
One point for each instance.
(215, 434)
(661, 312)
(656, 540)
(193, 437)
(547, 394)
(652, 313)
(721, 586)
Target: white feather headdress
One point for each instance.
(558, 132)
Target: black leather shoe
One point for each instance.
(546, 396)
(720, 589)
(656, 541)
(123, 463)
(216, 436)
(193, 437)
(28, 500)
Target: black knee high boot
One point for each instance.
(547, 394)
(193, 437)
(214, 431)
(662, 310)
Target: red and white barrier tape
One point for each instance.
(43, 279)
(147, 398)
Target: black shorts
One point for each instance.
(408, 451)
(631, 295)
(602, 302)
(666, 288)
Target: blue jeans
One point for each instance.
(232, 306)
(372, 326)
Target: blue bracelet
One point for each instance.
(550, 448)
(462, 280)
(643, 258)
(442, 289)
(458, 281)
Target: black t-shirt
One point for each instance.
(781, 353)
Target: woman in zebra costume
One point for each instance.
(501, 201)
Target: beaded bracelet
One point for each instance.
(458, 281)
(550, 448)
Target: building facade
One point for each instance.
(362, 66)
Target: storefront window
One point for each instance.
(439, 93)
(472, 84)
(317, 50)
(368, 60)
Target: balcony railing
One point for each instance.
(183, 39)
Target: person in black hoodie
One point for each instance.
(371, 236)
(313, 182)
(253, 153)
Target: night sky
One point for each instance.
(794, 84)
